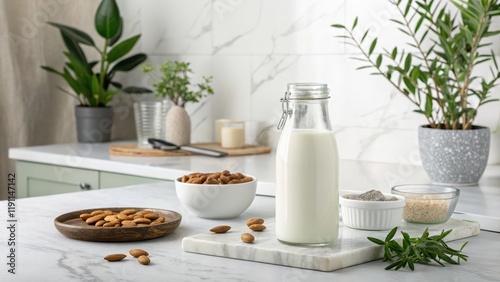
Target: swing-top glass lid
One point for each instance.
(299, 91)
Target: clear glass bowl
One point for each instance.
(427, 203)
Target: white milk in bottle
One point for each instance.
(306, 169)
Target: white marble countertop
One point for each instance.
(43, 254)
(478, 203)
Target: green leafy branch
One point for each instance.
(424, 250)
(174, 83)
(93, 88)
(438, 80)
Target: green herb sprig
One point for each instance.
(172, 81)
(424, 250)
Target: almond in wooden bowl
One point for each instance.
(73, 226)
(223, 200)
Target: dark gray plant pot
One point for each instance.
(454, 156)
(93, 124)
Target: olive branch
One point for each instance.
(439, 80)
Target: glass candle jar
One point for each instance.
(233, 135)
(218, 127)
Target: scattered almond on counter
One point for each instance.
(141, 255)
(144, 260)
(115, 257)
(257, 227)
(254, 223)
(254, 220)
(138, 252)
(220, 229)
(247, 238)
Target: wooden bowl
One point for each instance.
(71, 226)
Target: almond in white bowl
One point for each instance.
(228, 197)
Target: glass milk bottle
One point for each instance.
(307, 207)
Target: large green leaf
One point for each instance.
(83, 77)
(117, 36)
(67, 76)
(50, 69)
(74, 48)
(75, 34)
(116, 84)
(106, 96)
(129, 63)
(73, 83)
(79, 68)
(122, 49)
(96, 88)
(107, 19)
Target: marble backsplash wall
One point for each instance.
(253, 48)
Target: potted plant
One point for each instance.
(173, 83)
(95, 89)
(436, 73)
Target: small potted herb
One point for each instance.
(92, 81)
(436, 72)
(172, 82)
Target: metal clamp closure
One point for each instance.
(286, 110)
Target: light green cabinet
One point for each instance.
(40, 179)
(37, 179)
(108, 180)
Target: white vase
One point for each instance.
(178, 126)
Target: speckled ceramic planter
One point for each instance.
(454, 156)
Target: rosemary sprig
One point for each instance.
(423, 249)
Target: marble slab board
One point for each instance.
(351, 248)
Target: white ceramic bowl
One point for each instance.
(372, 215)
(215, 201)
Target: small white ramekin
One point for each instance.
(372, 215)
